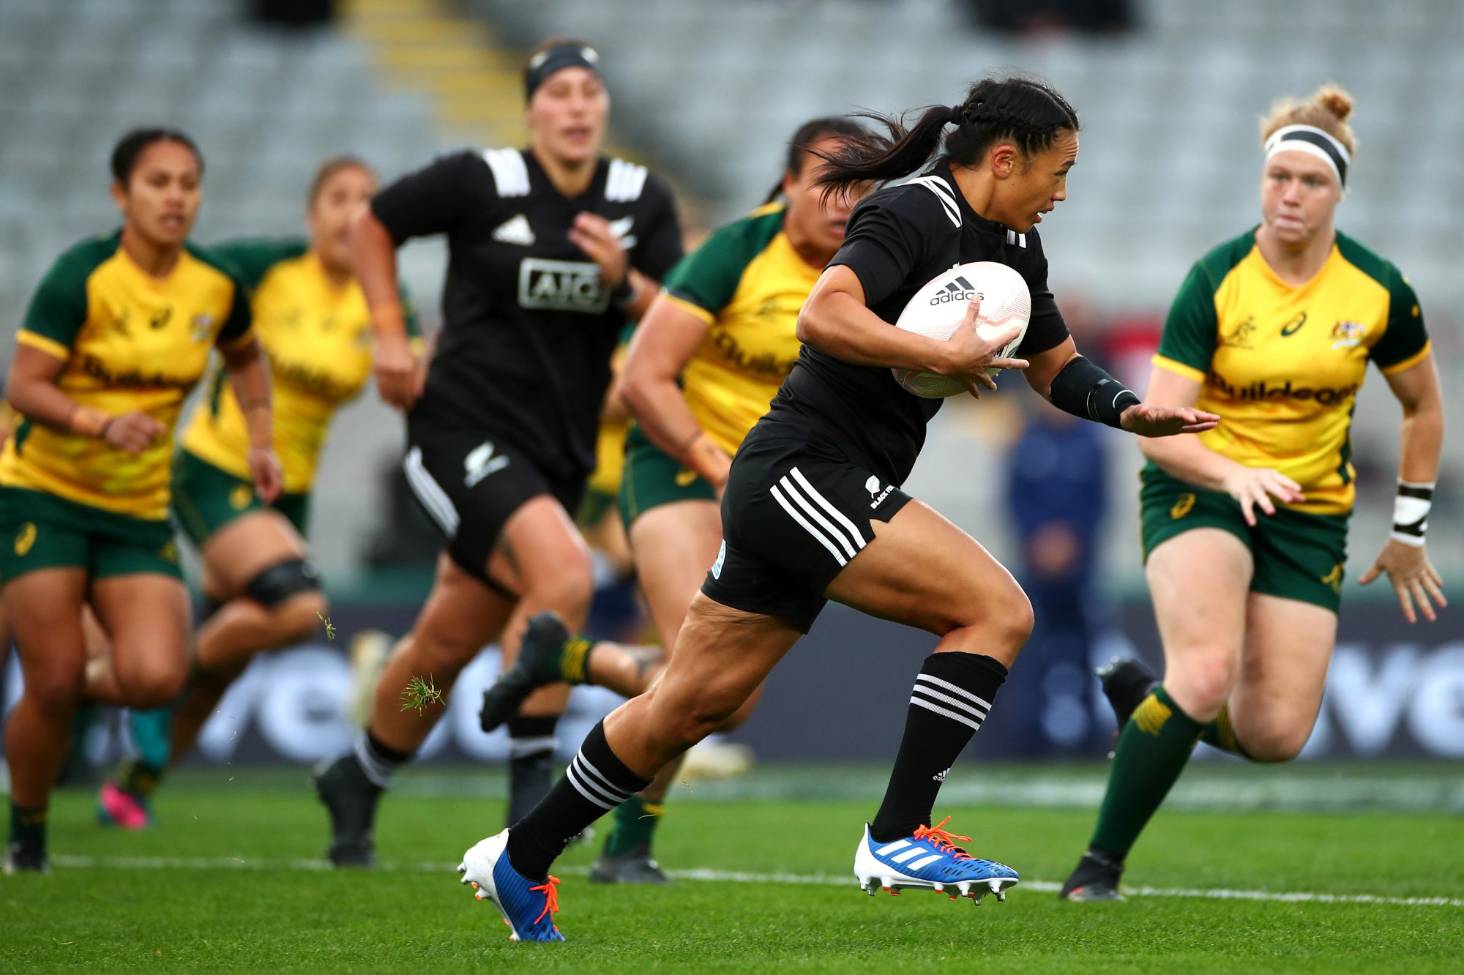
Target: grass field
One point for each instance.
(1311, 869)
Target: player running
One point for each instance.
(551, 250)
(1273, 331)
(708, 359)
(118, 332)
(260, 588)
(801, 526)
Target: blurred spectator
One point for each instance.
(1056, 497)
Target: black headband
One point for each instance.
(545, 63)
(1315, 141)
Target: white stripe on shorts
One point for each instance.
(813, 513)
(838, 515)
(430, 493)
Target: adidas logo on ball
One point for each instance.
(958, 290)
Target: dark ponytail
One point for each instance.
(802, 142)
(1027, 113)
(129, 149)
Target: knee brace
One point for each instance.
(282, 580)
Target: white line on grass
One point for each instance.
(740, 877)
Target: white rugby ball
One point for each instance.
(938, 307)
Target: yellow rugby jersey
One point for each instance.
(1281, 364)
(610, 441)
(130, 342)
(317, 338)
(747, 283)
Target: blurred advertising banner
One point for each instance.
(1393, 692)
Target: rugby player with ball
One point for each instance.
(813, 510)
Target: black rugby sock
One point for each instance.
(378, 762)
(951, 697)
(594, 783)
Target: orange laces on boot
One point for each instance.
(943, 840)
(550, 890)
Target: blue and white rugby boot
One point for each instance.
(527, 908)
(931, 859)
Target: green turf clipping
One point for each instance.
(1341, 869)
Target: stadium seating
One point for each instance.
(1169, 141)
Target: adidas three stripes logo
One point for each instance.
(950, 701)
(589, 782)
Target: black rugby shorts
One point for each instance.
(793, 516)
(469, 483)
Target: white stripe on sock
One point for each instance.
(519, 747)
(975, 712)
(600, 780)
(379, 772)
(587, 792)
(807, 526)
(986, 705)
(974, 726)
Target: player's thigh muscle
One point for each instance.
(673, 545)
(248, 545)
(1288, 645)
(1199, 582)
(924, 571)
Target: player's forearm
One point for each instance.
(1189, 460)
(1421, 443)
(31, 389)
(373, 256)
(249, 376)
(836, 323)
(660, 409)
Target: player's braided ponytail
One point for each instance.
(1026, 112)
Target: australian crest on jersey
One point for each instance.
(530, 232)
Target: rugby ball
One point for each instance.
(938, 307)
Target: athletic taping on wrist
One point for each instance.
(1410, 512)
(1086, 391)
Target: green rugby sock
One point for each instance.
(28, 826)
(137, 777)
(1152, 751)
(635, 824)
(574, 660)
(1220, 734)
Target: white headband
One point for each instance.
(1310, 139)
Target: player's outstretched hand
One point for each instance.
(1415, 581)
(1148, 420)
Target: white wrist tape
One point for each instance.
(1410, 512)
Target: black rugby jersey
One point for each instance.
(899, 238)
(528, 329)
